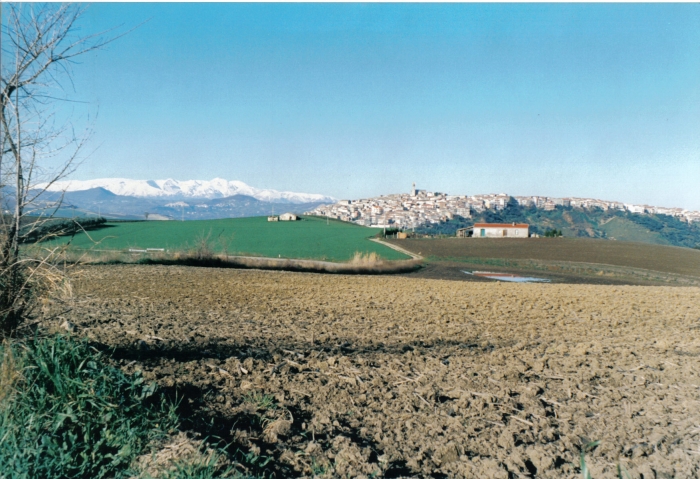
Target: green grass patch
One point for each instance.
(310, 238)
(66, 413)
(622, 229)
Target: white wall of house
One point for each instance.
(500, 232)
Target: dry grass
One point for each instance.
(366, 259)
(177, 451)
(37, 276)
(361, 263)
(9, 373)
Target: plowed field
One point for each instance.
(354, 376)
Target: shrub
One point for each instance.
(66, 413)
(554, 233)
(25, 277)
(366, 259)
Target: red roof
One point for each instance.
(501, 225)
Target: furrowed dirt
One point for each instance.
(357, 376)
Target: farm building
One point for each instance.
(501, 230)
(156, 217)
(288, 217)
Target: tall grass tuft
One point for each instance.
(8, 372)
(66, 413)
(366, 259)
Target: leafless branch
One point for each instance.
(39, 45)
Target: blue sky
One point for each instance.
(357, 100)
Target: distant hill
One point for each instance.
(588, 223)
(102, 202)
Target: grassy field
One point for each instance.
(311, 238)
(622, 229)
(667, 259)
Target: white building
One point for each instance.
(501, 230)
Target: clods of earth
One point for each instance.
(356, 376)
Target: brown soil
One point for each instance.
(667, 259)
(357, 376)
(555, 272)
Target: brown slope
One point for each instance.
(667, 259)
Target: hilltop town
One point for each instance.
(421, 207)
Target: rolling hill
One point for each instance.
(579, 223)
(310, 238)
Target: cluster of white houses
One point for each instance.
(419, 207)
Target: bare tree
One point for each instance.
(39, 46)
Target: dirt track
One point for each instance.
(401, 377)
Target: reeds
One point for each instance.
(28, 280)
(366, 259)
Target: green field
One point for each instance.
(622, 229)
(310, 238)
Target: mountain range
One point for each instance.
(172, 199)
(196, 189)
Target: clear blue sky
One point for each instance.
(357, 100)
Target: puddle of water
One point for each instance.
(512, 278)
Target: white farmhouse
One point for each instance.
(501, 230)
(288, 217)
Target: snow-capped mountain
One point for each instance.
(216, 188)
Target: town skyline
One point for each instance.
(421, 207)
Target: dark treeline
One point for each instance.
(38, 231)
